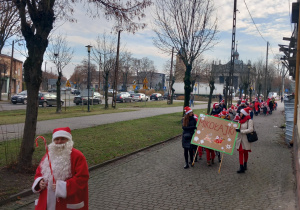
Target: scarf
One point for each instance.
(245, 119)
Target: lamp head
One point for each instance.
(89, 48)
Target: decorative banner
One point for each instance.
(216, 133)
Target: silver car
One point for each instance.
(140, 97)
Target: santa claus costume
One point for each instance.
(70, 171)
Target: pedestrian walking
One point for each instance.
(192, 98)
(188, 126)
(242, 144)
(66, 185)
(281, 99)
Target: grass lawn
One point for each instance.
(105, 142)
(49, 113)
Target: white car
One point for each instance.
(126, 94)
(140, 97)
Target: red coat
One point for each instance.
(256, 105)
(74, 189)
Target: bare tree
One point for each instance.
(105, 52)
(208, 74)
(125, 68)
(189, 27)
(9, 22)
(37, 19)
(60, 54)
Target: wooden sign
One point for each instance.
(216, 133)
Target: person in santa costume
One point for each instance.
(189, 124)
(69, 187)
(242, 144)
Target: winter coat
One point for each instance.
(245, 128)
(188, 132)
(215, 111)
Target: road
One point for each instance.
(155, 178)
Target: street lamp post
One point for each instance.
(88, 80)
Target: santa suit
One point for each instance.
(71, 193)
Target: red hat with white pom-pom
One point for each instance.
(62, 132)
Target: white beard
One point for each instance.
(60, 157)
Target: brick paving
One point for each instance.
(155, 178)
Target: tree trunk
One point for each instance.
(36, 37)
(187, 85)
(58, 83)
(211, 90)
(106, 90)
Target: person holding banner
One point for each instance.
(188, 126)
(62, 181)
(242, 144)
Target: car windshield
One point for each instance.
(137, 94)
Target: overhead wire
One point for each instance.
(257, 28)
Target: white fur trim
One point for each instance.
(36, 201)
(61, 189)
(51, 199)
(189, 111)
(61, 134)
(244, 112)
(35, 183)
(75, 206)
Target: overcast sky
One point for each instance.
(272, 18)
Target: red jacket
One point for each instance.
(75, 188)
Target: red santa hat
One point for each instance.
(246, 111)
(187, 110)
(236, 118)
(222, 101)
(215, 104)
(223, 113)
(62, 132)
(243, 102)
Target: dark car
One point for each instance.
(76, 92)
(156, 96)
(48, 99)
(20, 98)
(83, 100)
(123, 98)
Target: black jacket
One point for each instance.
(188, 132)
(216, 111)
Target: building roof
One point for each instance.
(6, 56)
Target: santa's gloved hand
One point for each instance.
(237, 130)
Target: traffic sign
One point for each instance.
(68, 84)
(134, 86)
(145, 81)
(165, 87)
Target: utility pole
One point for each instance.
(232, 57)
(266, 72)
(116, 72)
(11, 70)
(99, 74)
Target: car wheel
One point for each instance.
(44, 104)
(25, 101)
(77, 103)
(14, 102)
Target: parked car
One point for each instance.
(132, 95)
(156, 96)
(126, 94)
(140, 97)
(110, 90)
(48, 99)
(20, 98)
(93, 100)
(76, 92)
(123, 98)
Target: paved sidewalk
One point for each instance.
(47, 126)
(155, 178)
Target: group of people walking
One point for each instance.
(242, 113)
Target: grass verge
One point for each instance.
(106, 142)
(49, 113)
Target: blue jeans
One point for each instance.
(191, 103)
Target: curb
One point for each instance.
(29, 191)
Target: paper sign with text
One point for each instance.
(216, 133)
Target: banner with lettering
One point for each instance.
(216, 133)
